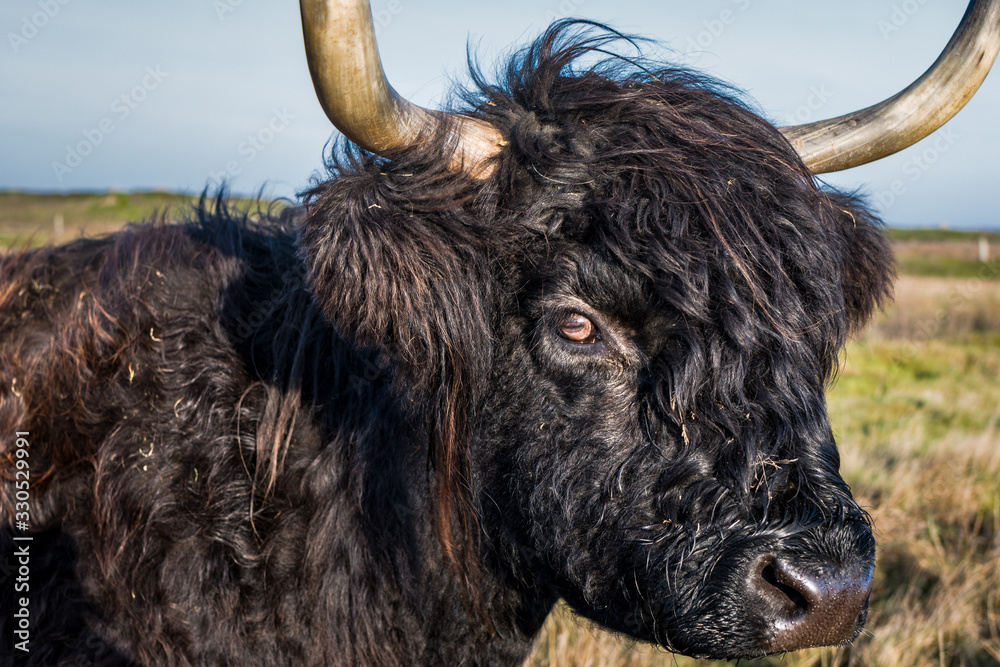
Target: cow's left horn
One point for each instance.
(352, 88)
(909, 116)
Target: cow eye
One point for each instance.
(578, 329)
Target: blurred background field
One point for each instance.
(916, 410)
(28, 218)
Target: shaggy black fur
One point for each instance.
(364, 441)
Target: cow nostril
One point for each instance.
(821, 606)
(772, 576)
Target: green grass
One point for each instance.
(900, 400)
(937, 387)
(932, 234)
(37, 209)
(28, 217)
(949, 267)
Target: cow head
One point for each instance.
(621, 295)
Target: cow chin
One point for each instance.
(670, 550)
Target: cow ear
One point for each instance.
(868, 266)
(413, 286)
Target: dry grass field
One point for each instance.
(916, 409)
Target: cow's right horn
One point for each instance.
(909, 116)
(352, 88)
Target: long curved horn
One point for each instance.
(909, 116)
(352, 88)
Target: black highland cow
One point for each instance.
(581, 354)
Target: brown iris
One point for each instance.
(578, 329)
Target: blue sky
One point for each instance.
(177, 95)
